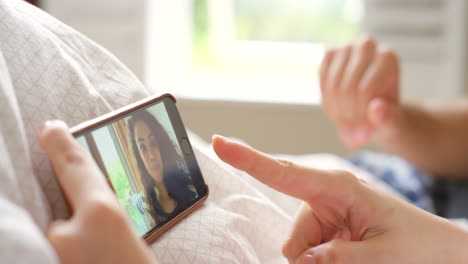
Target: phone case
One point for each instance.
(152, 235)
(117, 113)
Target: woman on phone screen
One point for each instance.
(165, 177)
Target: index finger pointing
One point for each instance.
(76, 172)
(286, 177)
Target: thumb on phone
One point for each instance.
(75, 170)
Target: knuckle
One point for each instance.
(346, 178)
(286, 166)
(349, 185)
(73, 155)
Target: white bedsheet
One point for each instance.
(49, 71)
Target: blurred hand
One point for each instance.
(99, 230)
(360, 87)
(344, 220)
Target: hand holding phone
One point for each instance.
(144, 152)
(99, 231)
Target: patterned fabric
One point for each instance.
(411, 183)
(50, 71)
(57, 73)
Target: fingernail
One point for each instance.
(43, 125)
(52, 123)
(220, 137)
(306, 259)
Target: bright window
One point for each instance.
(255, 50)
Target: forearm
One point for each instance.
(433, 138)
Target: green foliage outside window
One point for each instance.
(123, 190)
(332, 22)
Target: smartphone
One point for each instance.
(145, 154)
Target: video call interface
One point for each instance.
(142, 159)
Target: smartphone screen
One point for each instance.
(147, 158)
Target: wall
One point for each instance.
(118, 25)
(431, 39)
(274, 128)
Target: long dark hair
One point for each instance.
(175, 178)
